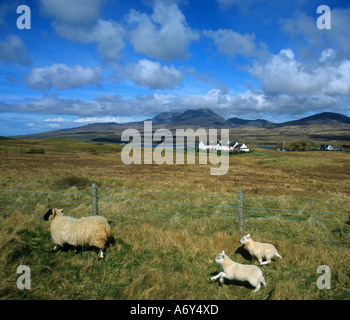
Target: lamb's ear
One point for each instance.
(223, 252)
(249, 236)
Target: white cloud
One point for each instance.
(79, 21)
(249, 104)
(233, 43)
(328, 55)
(164, 35)
(62, 77)
(13, 51)
(110, 38)
(74, 13)
(107, 119)
(59, 119)
(305, 26)
(153, 75)
(283, 74)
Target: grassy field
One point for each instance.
(148, 261)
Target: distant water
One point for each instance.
(266, 147)
(167, 145)
(164, 145)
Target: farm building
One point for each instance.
(329, 147)
(229, 146)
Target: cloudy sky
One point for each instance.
(86, 61)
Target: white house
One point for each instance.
(244, 148)
(229, 146)
(202, 146)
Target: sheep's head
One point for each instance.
(220, 257)
(51, 214)
(245, 239)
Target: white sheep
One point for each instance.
(93, 231)
(260, 250)
(236, 271)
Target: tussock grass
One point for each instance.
(72, 180)
(152, 263)
(160, 251)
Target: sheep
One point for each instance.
(260, 250)
(236, 271)
(93, 231)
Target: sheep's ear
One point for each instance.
(249, 236)
(48, 214)
(60, 210)
(223, 252)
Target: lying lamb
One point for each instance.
(260, 250)
(236, 271)
(93, 231)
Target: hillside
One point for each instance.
(324, 118)
(324, 127)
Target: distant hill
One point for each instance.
(165, 117)
(324, 118)
(324, 126)
(253, 123)
(5, 138)
(204, 118)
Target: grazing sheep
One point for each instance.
(260, 250)
(93, 231)
(236, 271)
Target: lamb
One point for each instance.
(93, 231)
(236, 271)
(260, 250)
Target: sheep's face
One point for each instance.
(245, 239)
(51, 214)
(220, 257)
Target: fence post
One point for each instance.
(94, 198)
(240, 212)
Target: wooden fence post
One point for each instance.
(240, 212)
(94, 198)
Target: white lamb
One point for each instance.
(93, 231)
(260, 250)
(236, 271)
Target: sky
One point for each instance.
(88, 61)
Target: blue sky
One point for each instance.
(86, 61)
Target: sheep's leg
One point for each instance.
(102, 254)
(215, 277)
(257, 287)
(55, 248)
(265, 262)
(220, 276)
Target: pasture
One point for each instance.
(153, 260)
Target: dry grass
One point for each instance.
(150, 262)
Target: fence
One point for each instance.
(303, 222)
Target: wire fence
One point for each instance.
(298, 222)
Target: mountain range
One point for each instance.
(322, 126)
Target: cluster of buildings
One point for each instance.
(329, 147)
(228, 147)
